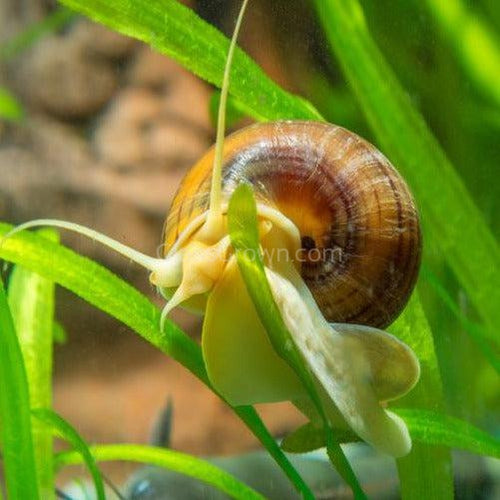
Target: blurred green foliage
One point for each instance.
(465, 120)
(10, 108)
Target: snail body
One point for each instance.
(359, 229)
(316, 186)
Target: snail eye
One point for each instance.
(307, 243)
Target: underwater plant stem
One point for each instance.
(251, 418)
(64, 430)
(15, 432)
(427, 471)
(31, 299)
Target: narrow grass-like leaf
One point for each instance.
(436, 429)
(474, 42)
(309, 437)
(249, 415)
(64, 430)
(242, 222)
(475, 330)
(15, 429)
(169, 459)
(452, 222)
(10, 108)
(106, 291)
(54, 21)
(174, 30)
(31, 300)
(426, 472)
(427, 427)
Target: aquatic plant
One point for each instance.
(454, 228)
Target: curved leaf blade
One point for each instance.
(64, 430)
(103, 289)
(15, 431)
(437, 429)
(168, 459)
(474, 42)
(425, 426)
(175, 30)
(31, 300)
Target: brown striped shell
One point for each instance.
(357, 219)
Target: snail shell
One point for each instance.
(359, 227)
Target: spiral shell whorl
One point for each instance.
(357, 219)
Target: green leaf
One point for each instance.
(31, 300)
(242, 222)
(453, 225)
(174, 30)
(10, 108)
(255, 424)
(171, 460)
(64, 430)
(436, 429)
(310, 437)
(425, 426)
(106, 291)
(427, 468)
(475, 330)
(15, 431)
(474, 42)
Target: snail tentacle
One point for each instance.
(151, 263)
(215, 212)
(203, 258)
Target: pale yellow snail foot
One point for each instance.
(356, 366)
(241, 362)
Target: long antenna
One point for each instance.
(216, 188)
(134, 255)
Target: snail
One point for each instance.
(340, 241)
(358, 224)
